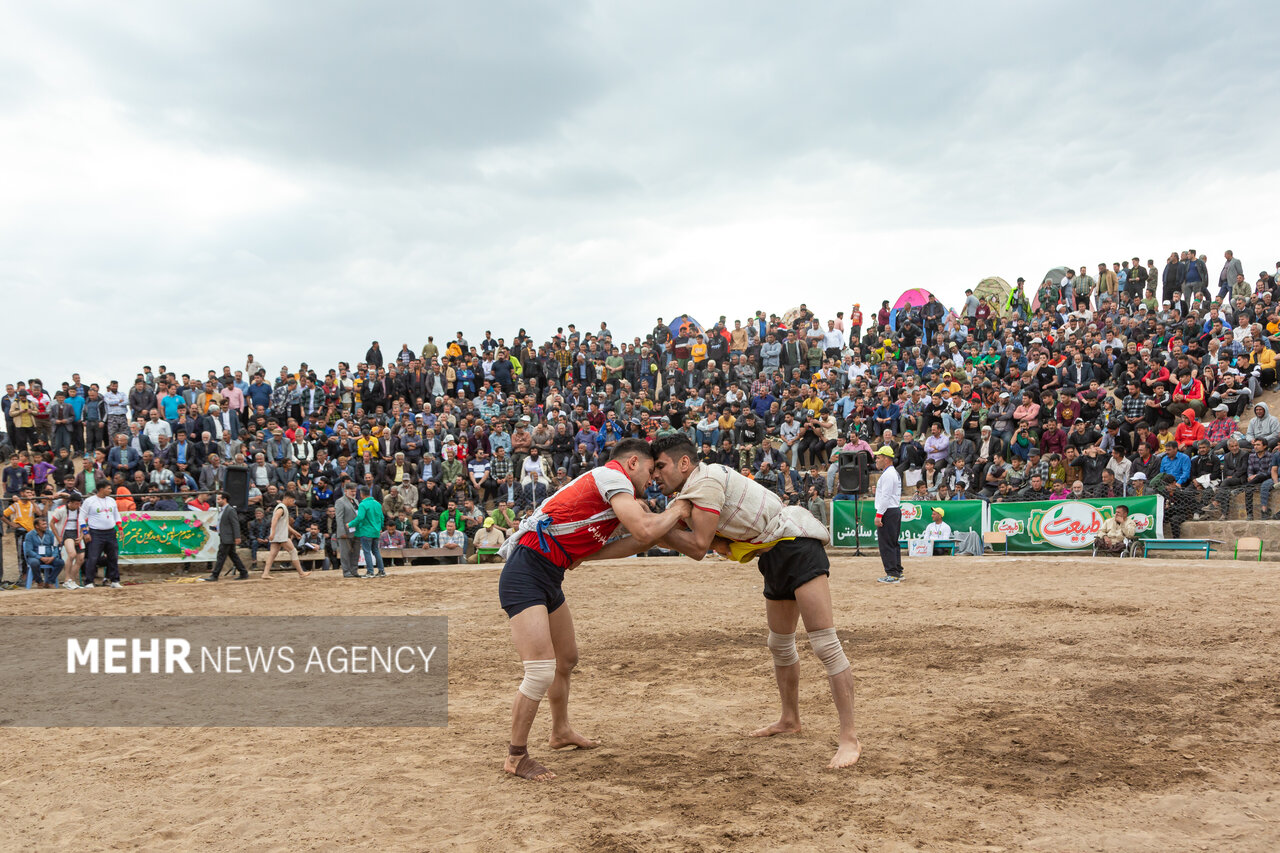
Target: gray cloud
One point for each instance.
(395, 169)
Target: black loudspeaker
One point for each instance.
(853, 473)
(236, 486)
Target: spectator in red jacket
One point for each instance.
(1190, 430)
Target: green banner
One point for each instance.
(1070, 525)
(168, 537)
(963, 516)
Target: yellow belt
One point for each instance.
(742, 552)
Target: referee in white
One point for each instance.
(99, 519)
(889, 515)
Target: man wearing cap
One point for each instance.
(937, 528)
(888, 501)
(489, 536)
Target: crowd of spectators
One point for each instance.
(1131, 380)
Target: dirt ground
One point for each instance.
(1003, 703)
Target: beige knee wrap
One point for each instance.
(783, 647)
(826, 645)
(538, 675)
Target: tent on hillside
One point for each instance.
(914, 297)
(996, 290)
(684, 320)
(1055, 275)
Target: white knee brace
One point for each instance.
(783, 647)
(538, 675)
(826, 645)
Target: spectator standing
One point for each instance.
(888, 500)
(345, 511)
(99, 522)
(117, 411)
(367, 527)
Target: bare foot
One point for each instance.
(302, 574)
(571, 738)
(266, 577)
(846, 755)
(779, 728)
(526, 768)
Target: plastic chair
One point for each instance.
(1248, 543)
(994, 538)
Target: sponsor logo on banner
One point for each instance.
(1142, 522)
(1070, 524)
(1009, 526)
(910, 512)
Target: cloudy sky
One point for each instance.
(187, 182)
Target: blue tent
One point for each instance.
(676, 324)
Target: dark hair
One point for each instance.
(632, 447)
(674, 445)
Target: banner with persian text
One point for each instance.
(962, 516)
(169, 537)
(1071, 524)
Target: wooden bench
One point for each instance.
(410, 554)
(282, 558)
(1149, 545)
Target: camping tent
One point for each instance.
(1055, 275)
(684, 319)
(996, 290)
(790, 316)
(915, 297)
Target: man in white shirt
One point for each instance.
(156, 428)
(937, 529)
(832, 340)
(889, 515)
(99, 518)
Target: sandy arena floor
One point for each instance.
(1002, 703)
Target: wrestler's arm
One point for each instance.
(629, 545)
(626, 546)
(696, 540)
(647, 528)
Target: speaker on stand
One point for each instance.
(236, 485)
(852, 477)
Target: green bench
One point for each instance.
(947, 545)
(1149, 545)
